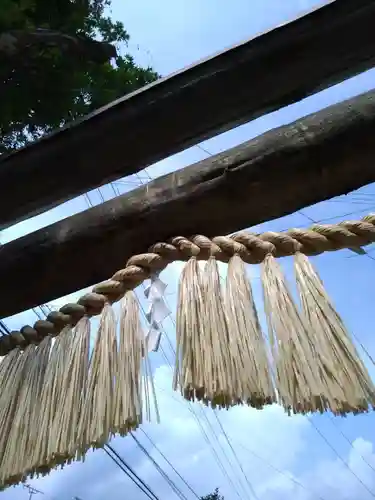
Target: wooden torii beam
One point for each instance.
(326, 154)
(266, 73)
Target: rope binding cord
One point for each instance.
(56, 401)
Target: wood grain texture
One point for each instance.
(266, 73)
(326, 154)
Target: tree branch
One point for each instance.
(16, 45)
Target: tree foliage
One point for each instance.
(56, 72)
(213, 496)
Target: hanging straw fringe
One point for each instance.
(297, 377)
(17, 457)
(190, 354)
(11, 379)
(50, 418)
(128, 393)
(253, 373)
(56, 401)
(71, 384)
(97, 417)
(219, 369)
(350, 388)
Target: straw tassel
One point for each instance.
(17, 458)
(45, 446)
(6, 364)
(190, 354)
(350, 388)
(97, 417)
(254, 383)
(40, 367)
(72, 373)
(297, 375)
(128, 393)
(220, 367)
(9, 470)
(12, 367)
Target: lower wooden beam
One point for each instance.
(326, 154)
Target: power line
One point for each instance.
(250, 451)
(212, 448)
(215, 454)
(117, 459)
(88, 200)
(296, 481)
(340, 458)
(173, 486)
(37, 313)
(217, 441)
(101, 195)
(351, 444)
(4, 330)
(170, 464)
(251, 487)
(271, 466)
(353, 195)
(32, 491)
(191, 409)
(120, 462)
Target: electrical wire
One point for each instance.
(88, 200)
(4, 330)
(101, 195)
(120, 462)
(350, 443)
(271, 466)
(37, 313)
(216, 438)
(46, 309)
(170, 464)
(217, 441)
(173, 486)
(248, 482)
(213, 449)
(344, 462)
(276, 469)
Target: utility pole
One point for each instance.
(32, 491)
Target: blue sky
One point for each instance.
(277, 452)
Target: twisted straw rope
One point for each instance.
(252, 248)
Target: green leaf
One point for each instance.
(49, 86)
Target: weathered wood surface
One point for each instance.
(323, 155)
(266, 73)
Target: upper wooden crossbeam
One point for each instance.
(263, 74)
(323, 155)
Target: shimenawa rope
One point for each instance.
(223, 358)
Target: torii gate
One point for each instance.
(222, 355)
